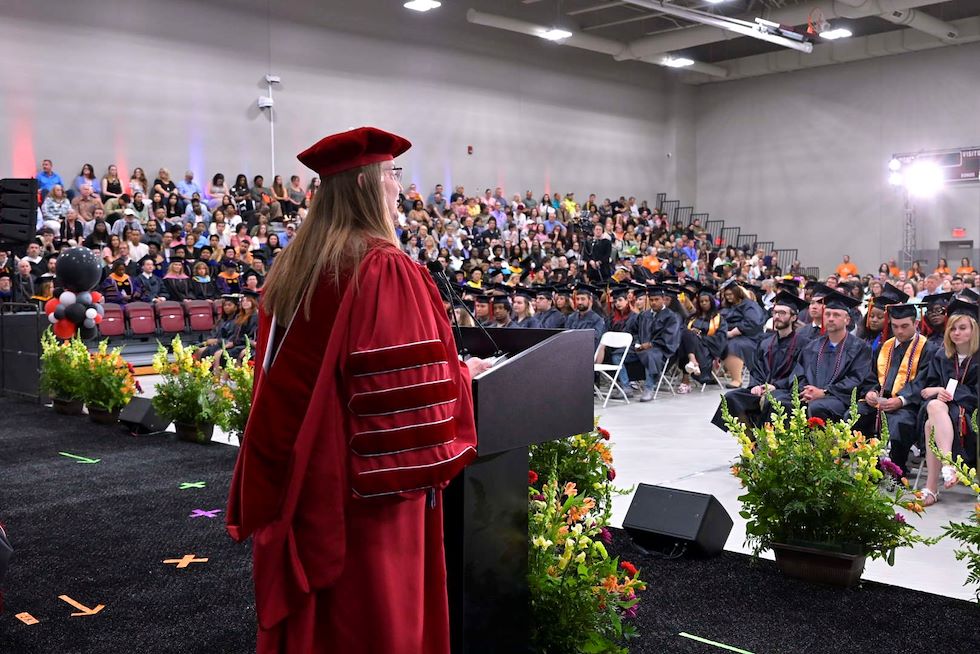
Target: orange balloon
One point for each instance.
(64, 329)
(97, 319)
(96, 297)
(51, 305)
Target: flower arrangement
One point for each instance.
(581, 598)
(109, 382)
(584, 459)
(188, 394)
(239, 379)
(821, 484)
(967, 533)
(63, 367)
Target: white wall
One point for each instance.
(174, 84)
(801, 157)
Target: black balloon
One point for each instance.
(76, 313)
(79, 269)
(59, 312)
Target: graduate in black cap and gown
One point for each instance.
(547, 316)
(746, 320)
(832, 366)
(584, 317)
(624, 318)
(949, 397)
(703, 340)
(899, 370)
(813, 318)
(872, 328)
(778, 354)
(933, 323)
(659, 337)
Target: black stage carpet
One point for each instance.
(99, 533)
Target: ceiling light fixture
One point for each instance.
(716, 2)
(422, 5)
(836, 33)
(555, 34)
(676, 62)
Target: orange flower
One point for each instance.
(570, 489)
(914, 507)
(611, 584)
(736, 470)
(563, 530)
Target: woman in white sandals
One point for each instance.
(950, 396)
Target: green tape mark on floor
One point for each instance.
(711, 642)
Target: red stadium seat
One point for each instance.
(171, 315)
(113, 321)
(141, 318)
(200, 313)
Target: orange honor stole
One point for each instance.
(906, 369)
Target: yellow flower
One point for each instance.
(541, 542)
(580, 558)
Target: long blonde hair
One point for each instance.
(342, 217)
(974, 335)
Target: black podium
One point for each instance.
(542, 392)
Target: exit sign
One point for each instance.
(959, 232)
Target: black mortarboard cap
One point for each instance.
(232, 297)
(620, 291)
(657, 291)
(962, 308)
(523, 291)
(821, 290)
(840, 302)
(893, 295)
(902, 310)
(790, 285)
(546, 291)
(146, 258)
(562, 290)
(247, 292)
(937, 298)
(208, 248)
(791, 300)
(969, 295)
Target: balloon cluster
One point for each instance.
(78, 308)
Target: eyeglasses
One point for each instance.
(395, 174)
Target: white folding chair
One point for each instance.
(668, 375)
(614, 341)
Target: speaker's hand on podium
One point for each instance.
(477, 366)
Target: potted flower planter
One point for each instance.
(821, 564)
(103, 416)
(67, 407)
(200, 434)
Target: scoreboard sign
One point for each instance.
(958, 164)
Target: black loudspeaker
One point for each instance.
(672, 521)
(18, 212)
(26, 185)
(139, 417)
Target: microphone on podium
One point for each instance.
(439, 273)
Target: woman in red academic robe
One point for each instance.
(362, 413)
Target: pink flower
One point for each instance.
(899, 518)
(606, 536)
(611, 474)
(538, 497)
(630, 612)
(889, 467)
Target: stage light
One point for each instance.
(716, 2)
(836, 33)
(894, 165)
(923, 179)
(422, 5)
(555, 34)
(896, 179)
(677, 62)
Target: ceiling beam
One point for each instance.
(884, 44)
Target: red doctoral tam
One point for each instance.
(347, 150)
